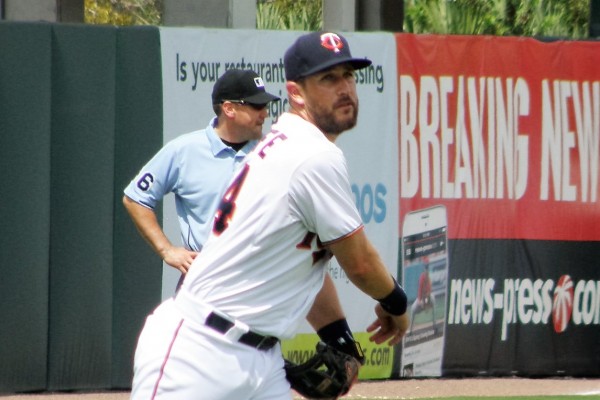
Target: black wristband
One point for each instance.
(339, 336)
(331, 333)
(395, 303)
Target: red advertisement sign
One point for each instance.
(504, 132)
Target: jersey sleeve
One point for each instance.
(321, 197)
(157, 178)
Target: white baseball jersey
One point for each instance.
(264, 261)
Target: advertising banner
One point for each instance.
(504, 134)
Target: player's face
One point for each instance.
(330, 99)
(249, 119)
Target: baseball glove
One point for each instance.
(328, 374)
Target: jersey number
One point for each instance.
(145, 181)
(227, 206)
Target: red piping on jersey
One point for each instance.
(360, 228)
(162, 367)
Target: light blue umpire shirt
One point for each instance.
(196, 167)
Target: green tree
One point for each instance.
(446, 17)
(555, 18)
(123, 12)
(300, 15)
(558, 18)
(540, 18)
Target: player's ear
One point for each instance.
(295, 93)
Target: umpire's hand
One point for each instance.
(179, 258)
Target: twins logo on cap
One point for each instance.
(318, 51)
(331, 41)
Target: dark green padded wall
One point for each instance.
(80, 112)
(83, 137)
(25, 113)
(137, 271)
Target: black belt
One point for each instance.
(250, 338)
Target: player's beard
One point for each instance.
(329, 122)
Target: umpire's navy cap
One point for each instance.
(241, 85)
(317, 51)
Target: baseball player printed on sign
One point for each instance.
(284, 215)
(425, 299)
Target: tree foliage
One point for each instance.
(299, 15)
(549, 18)
(559, 18)
(123, 12)
(555, 18)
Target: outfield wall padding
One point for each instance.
(25, 123)
(76, 276)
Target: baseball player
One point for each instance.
(180, 167)
(196, 168)
(284, 215)
(425, 299)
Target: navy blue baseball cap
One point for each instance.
(317, 51)
(241, 85)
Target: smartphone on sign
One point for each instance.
(424, 271)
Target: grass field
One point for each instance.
(569, 397)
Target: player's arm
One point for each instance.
(147, 224)
(326, 308)
(327, 318)
(364, 267)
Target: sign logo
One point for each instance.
(331, 41)
(525, 301)
(562, 305)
